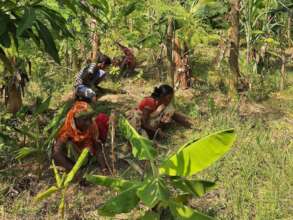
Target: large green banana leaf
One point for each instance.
(198, 155)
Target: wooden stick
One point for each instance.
(106, 161)
(113, 131)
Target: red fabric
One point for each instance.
(68, 131)
(102, 122)
(148, 103)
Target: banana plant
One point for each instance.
(62, 183)
(171, 181)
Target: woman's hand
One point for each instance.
(160, 133)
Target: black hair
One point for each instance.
(104, 59)
(161, 91)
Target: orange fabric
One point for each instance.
(68, 131)
(148, 103)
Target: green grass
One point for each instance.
(254, 180)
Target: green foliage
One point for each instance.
(26, 21)
(46, 194)
(76, 167)
(195, 188)
(37, 146)
(122, 203)
(24, 152)
(128, 9)
(115, 183)
(62, 184)
(32, 130)
(150, 216)
(158, 188)
(182, 212)
(29, 21)
(152, 191)
(42, 107)
(142, 147)
(48, 40)
(55, 123)
(56, 175)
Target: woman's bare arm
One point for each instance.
(59, 156)
(145, 121)
(182, 119)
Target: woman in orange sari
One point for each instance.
(83, 130)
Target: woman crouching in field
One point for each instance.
(154, 112)
(82, 129)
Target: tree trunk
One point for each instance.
(67, 61)
(248, 48)
(176, 52)
(183, 75)
(14, 87)
(14, 99)
(234, 45)
(289, 27)
(283, 72)
(160, 64)
(95, 41)
(169, 44)
(75, 60)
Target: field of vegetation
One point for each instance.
(236, 86)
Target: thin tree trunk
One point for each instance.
(183, 75)
(94, 40)
(289, 27)
(169, 44)
(14, 99)
(248, 48)
(113, 120)
(234, 47)
(75, 60)
(160, 63)
(176, 54)
(187, 67)
(283, 72)
(67, 61)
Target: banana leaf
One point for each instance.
(183, 212)
(142, 148)
(122, 203)
(44, 195)
(76, 167)
(115, 183)
(153, 191)
(198, 155)
(194, 187)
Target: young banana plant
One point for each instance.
(170, 183)
(62, 183)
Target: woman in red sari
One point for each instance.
(155, 111)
